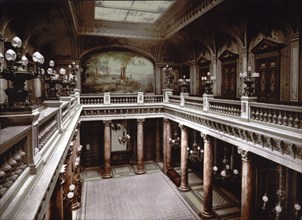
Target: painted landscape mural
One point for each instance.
(117, 72)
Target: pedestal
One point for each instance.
(206, 103)
(183, 95)
(166, 94)
(245, 106)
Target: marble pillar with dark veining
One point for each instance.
(140, 169)
(246, 186)
(207, 206)
(169, 146)
(165, 143)
(107, 149)
(157, 151)
(184, 159)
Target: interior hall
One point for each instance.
(140, 110)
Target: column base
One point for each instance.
(107, 176)
(205, 214)
(184, 188)
(139, 172)
(76, 206)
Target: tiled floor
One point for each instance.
(225, 206)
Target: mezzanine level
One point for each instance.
(41, 138)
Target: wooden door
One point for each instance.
(268, 83)
(228, 83)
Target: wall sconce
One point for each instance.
(18, 70)
(208, 81)
(249, 79)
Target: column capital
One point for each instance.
(206, 137)
(140, 120)
(107, 122)
(245, 155)
(182, 127)
(166, 120)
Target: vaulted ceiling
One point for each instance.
(170, 31)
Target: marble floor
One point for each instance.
(225, 206)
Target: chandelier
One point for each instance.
(175, 142)
(226, 173)
(281, 194)
(208, 81)
(17, 68)
(249, 79)
(125, 137)
(184, 84)
(195, 154)
(169, 76)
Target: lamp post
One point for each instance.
(73, 70)
(208, 81)
(169, 76)
(52, 79)
(184, 84)
(64, 82)
(249, 79)
(18, 70)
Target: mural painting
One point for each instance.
(117, 72)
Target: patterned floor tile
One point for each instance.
(134, 197)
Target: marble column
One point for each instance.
(184, 159)
(107, 149)
(207, 205)
(140, 169)
(165, 143)
(246, 186)
(169, 146)
(56, 202)
(157, 151)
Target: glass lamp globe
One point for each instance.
(51, 63)
(70, 195)
(297, 207)
(264, 198)
(235, 171)
(215, 168)
(10, 55)
(16, 42)
(62, 71)
(49, 71)
(278, 209)
(24, 60)
(71, 187)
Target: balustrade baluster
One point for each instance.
(279, 118)
(257, 114)
(265, 115)
(290, 120)
(270, 116)
(274, 117)
(261, 115)
(253, 115)
(285, 120)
